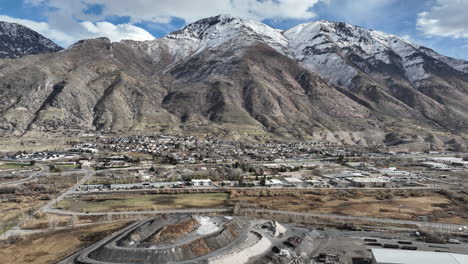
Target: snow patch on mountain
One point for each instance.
(213, 32)
(337, 51)
(17, 41)
(326, 47)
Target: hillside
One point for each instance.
(240, 78)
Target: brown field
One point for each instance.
(13, 212)
(55, 245)
(16, 205)
(142, 202)
(409, 205)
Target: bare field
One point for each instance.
(17, 203)
(11, 211)
(410, 205)
(140, 202)
(55, 245)
(13, 144)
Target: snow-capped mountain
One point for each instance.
(213, 32)
(17, 41)
(223, 31)
(236, 77)
(327, 47)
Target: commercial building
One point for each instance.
(391, 256)
(204, 182)
(371, 182)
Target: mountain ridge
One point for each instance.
(240, 78)
(17, 41)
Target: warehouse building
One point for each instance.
(391, 256)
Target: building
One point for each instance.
(291, 181)
(343, 175)
(274, 183)
(459, 162)
(392, 256)
(436, 165)
(203, 182)
(371, 182)
(392, 171)
(85, 164)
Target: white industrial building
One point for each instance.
(203, 182)
(392, 171)
(274, 183)
(392, 256)
(343, 175)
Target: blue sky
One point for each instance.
(438, 24)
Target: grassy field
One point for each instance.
(55, 245)
(68, 167)
(15, 166)
(12, 177)
(395, 205)
(140, 202)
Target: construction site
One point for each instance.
(200, 239)
(259, 238)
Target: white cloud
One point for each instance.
(446, 18)
(41, 27)
(407, 38)
(162, 11)
(117, 32)
(362, 12)
(64, 27)
(83, 30)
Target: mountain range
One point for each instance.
(240, 78)
(17, 41)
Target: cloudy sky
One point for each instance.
(438, 24)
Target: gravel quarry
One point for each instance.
(186, 238)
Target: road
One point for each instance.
(48, 207)
(430, 225)
(225, 189)
(33, 176)
(45, 172)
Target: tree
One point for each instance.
(171, 159)
(263, 181)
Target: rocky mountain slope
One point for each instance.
(17, 41)
(235, 77)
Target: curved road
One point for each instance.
(35, 175)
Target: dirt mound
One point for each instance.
(171, 233)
